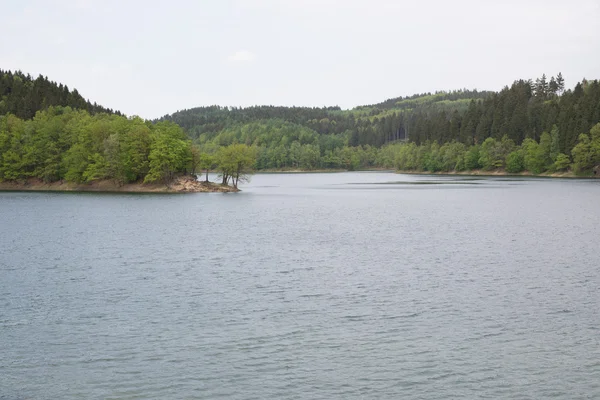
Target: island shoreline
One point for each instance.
(186, 184)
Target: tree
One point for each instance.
(195, 154)
(531, 154)
(493, 153)
(169, 153)
(206, 162)
(560, 83)
(515, 162)
(236, 162)
(582, 154)
(541, 87)
(472, 157)
(562, 162)
(586, 154)
(552, 86)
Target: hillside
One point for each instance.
(373, 125)
(52, 136)
(308, 138)
(53, 139)
(23, 96)
(523, 110)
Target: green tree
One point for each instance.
(169, 154)
(562, 162)
(236, 162)
(493, 153)
(560, 83)
(515, 162)
(472, 157)
(206, 162)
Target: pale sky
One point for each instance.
(150, 58)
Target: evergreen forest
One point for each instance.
(23, 96)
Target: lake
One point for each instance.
(365, 285)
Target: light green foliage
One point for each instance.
(386, 156)
(472, 157)
(432, 158)
(453, 156)
(64, 144)
(12, 130)
(493, 153)
(562, 163)
(169, 154)
(595, 133)
(235, 162)
(349, 158)
(515, 162)
(586, 154)
(531, 154)
(206, 162)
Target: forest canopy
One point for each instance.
(66, 144)
(23, 96)
(51, 133)
(314, 138)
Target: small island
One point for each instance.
(63, 149)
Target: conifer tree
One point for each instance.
(560, 83)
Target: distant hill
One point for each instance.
(525, 109)
(23, 96)
(374, 125)
(455, 99)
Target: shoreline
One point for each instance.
(297, 171)
(318, 171)
(478, 172)
(475, 172)
(185, 184)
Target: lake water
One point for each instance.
(308, 286)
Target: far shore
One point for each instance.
(479, 172)
(297, 171)
(476, 172)
(183, 184)
(318, 171)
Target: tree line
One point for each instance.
(431, 156)
(22, 96)
(532, 156)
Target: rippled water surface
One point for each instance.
(308, 286)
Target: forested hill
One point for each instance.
(372, 125)
(455, 99)
(522, 110)
(23, 96)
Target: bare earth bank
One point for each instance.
(182, 184)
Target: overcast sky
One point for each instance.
(151, 58)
